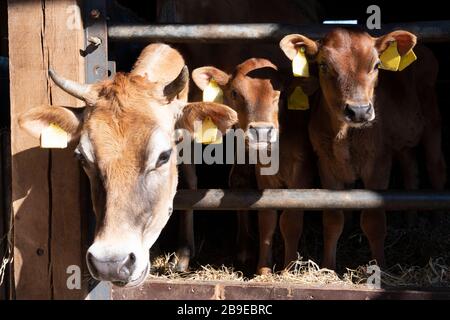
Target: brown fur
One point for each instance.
(257, 85)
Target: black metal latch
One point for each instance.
(96, 44)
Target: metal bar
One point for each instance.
(427, 31)
(207, 290)
(96, 41)
(311, 199)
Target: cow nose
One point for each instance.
(358, 113)
(112, 269)
(261, 133)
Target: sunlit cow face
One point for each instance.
(253, 90)
(348, 63)
(126, 145)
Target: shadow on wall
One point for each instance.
(45, 248)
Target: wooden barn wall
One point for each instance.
(45, 183)
(4, 156)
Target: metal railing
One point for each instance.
(309, 199)
(427, 31)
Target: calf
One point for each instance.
(125, 142)
(365, 117)
(254, 90)
(227, 56)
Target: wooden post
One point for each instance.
(45, 183)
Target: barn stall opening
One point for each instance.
(50, 195)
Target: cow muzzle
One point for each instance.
(359, 114)
(261, 135)
(121, 269)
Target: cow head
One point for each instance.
(348, 63)
(126, 145)
(253, 90)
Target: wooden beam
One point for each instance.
(228, 290)
(30, 191)
(45, 184)
(64, 38)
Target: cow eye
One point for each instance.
(323, 67)
(234, 94)
(163, 158)
(377, 65)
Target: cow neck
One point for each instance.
(337, 130)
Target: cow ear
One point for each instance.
(203, 76)
(37, 119)
(405, 41)
(223, 117)
(290, 45)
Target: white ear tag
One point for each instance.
(54, 137)
(213, 93)
(209, 133)
(300, 67)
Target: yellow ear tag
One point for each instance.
(298, 100)
(54, 137)
(407, 59)
(390, 58)
(300, 66)
(213, 93)
(208, 133)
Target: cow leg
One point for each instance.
(242, 176)
(267, 222)
(243, 237)
(186, 248)
(373, 222)
(291, 225)
(436, 167)
(333, 221)
(333, 225)
(410, 170)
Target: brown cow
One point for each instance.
(125, 137)
(254, 91)
(365, 117)
(226, 57)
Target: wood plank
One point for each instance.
(5, 186)
(30, 191)
(64, 38)
(45, 183)
(227, 290)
